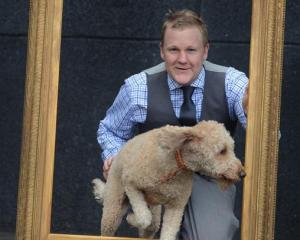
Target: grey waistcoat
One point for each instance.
(160, 109)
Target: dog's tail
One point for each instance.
(98, 190)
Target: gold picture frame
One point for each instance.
(40, 110)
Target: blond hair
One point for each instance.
(182, 19)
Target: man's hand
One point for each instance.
(245, 100)
(106, 167)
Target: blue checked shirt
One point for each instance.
(130, 107)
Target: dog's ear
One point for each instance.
(172, 137)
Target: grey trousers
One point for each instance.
(209, 212)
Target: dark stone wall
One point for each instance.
(288, 190)
(103, 43)
(13, 44)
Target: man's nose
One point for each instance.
(182, 58)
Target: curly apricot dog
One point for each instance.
(156, 168)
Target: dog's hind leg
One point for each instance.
(114, 207)
(142, 215)
(150, 231)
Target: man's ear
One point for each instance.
(162, 55)
(173, 137)
(206, 48)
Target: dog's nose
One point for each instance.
(242, 174)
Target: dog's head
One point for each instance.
(207, 148)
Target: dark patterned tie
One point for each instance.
(188, 108)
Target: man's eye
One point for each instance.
(191, 50)
(172, 49)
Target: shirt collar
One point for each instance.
(198, 83)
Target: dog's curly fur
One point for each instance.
(137, 169)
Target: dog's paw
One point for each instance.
(131, 220)
(98, 190)
(142, 221)
(149, 232)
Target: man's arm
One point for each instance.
(246, 100)
(237, 95)
(119, 124)
(112, 133)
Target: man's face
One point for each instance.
(184, 53)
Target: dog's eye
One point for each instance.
(223, 151)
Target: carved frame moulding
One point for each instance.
(40, 113)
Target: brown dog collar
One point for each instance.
(179, 160)
(180, 166)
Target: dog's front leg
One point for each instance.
(171, 222)
(142, 214)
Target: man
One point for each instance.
(159, 96)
